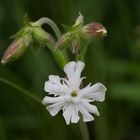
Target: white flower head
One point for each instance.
(69, 97)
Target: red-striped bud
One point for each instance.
(16, 49)
(94, 30)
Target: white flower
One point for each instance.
(69, 97)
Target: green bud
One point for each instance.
(64, 41)
(69, 40)
(30, 33)
(76, 45)
(16, 49)
(41, 36)
(72, 37)
(78, 35)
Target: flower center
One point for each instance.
(74, 94)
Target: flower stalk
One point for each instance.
(60, 57)
(50, 22)
(84, 130)
(81, 55)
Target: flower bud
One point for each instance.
(41, 36)
(78, 35)
(75, 45)
(64, 41)
(16, 49)
(93, 30)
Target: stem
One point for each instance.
(60, 57)
(24, 91)
(81, 55)
(50, 22)
(84, 130)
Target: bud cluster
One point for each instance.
(79, 34)
(24, 39)
(76, 37)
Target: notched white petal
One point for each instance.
(71, 114)
(70, 67)
(50, 100)
(47, 86)
(73, 71)
(91, 108)
(56, 107)
(54, 79)
(67, 114)
(57, 89)
(95, 92)
(79, 67)
(86, 115)
(74, 116)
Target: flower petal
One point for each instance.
(50, 100)
(54, 79)
(86, 115)
(90, 108)
(69, 69)
(57, 89)
(71, 114)
(67, 114)
(79, 68)
(73, 71)
(74, 117)
(56, 107)
(95, 92)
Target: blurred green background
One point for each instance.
(114, 61)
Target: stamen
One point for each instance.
(74, 94)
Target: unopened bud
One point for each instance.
(94, 30)
(64, 41)
(16, 49)
(68, 40)
(75, 45)
(78, 35)
(41, 36)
